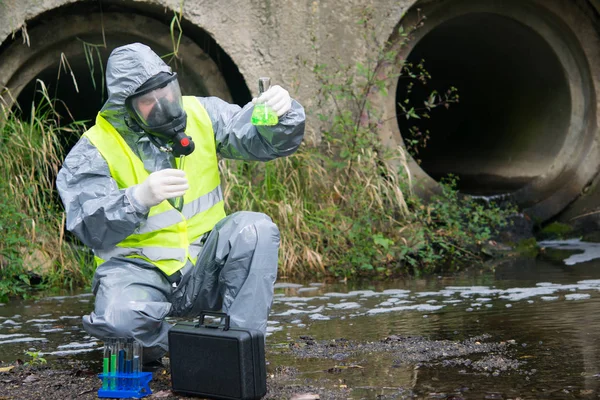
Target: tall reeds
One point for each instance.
(31, 148)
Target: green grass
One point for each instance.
(34, 253)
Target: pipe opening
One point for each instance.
(79, 96)
(515, 103)
(204, 69)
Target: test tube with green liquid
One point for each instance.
(264, 114)
(178, 204)
(113, 364)
(106, 365)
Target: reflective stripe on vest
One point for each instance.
(165, 237)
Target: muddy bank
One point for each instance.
(66, 378)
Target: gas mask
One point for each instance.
(157, 107)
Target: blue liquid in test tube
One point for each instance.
(121, 361)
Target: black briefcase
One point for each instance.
(217, 361)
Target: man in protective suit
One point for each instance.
(161, 240)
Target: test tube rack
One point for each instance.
(128, 386)
(122, 376)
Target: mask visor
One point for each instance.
(158, 106)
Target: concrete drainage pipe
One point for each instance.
(63, 38)
(527, 75)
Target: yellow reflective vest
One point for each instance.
(165, 237)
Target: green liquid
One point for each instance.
(113, 368)
(264, 115)
(105, 373)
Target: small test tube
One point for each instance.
(113, 364)
(106, 365)
(137, 357)
(179, 200)
(136, 364)
(128, 363)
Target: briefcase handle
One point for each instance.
(224, 317)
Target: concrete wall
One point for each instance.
(262, 37)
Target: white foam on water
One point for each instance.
(425, 294)
(516, 294)
(590, 251)
(416, 307)
(23, 339)
(285, 285)
(368, 293)
(336, 294)
(392, 292)
(296, 311)
(591, 282)
(307, 289)
(549, 298)
(69, 352)
(345, 306)
(295, 304)
(9, 335)
(577, 296)
(468, 288)
(300, 299)
(51, 330)
(77, 345)
(38, 320)
(271, 329)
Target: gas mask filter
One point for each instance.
(157, 107)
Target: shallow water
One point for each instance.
(547, 310)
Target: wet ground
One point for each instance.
(525, 329)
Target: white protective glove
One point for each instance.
(161, 185)
(277, 97)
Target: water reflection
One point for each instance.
(545, 309)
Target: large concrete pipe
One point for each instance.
(68, 52)
(527, 75)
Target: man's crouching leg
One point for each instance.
(131, 301)
(239, 264)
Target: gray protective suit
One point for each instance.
(237, 264)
